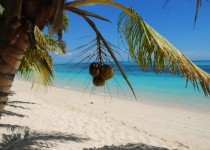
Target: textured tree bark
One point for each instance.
(13, 44)
(16, 24)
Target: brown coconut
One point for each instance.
(98, 81)
(106, 72)
(94, 69)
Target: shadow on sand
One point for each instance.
(138, 146)
(14, 105)
(23, 138)
(10, 113)
(11, 93)
(34, 140)
(12, 128)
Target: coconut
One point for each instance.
(98, 81)
(106, 72)
(94, 69)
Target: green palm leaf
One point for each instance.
(37, 64)
(1, 10)
(150, 50)
(65, 21)
(49, 43)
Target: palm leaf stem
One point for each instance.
(110, 52)
(83, 12)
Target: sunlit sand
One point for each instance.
(67, 119)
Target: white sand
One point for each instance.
(106, 122)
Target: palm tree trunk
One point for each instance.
(13, 43)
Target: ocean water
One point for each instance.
(161, 89)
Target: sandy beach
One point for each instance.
(64, 119)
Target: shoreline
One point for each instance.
(151, 101)
(110, 122)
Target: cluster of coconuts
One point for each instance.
(100, 73)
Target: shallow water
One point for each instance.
(161, 89)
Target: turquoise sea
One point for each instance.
(161, 89)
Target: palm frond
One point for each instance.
(62, 26)
(37, 65)
(49, 43)
(110, 51)
(150, 50)
(65, 21)
(78, 3)
(1, 9)
(198, 5)
(84, 13)
(56, 22)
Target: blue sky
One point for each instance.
(175, 22)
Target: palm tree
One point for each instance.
(18, 23)
(22, 21)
